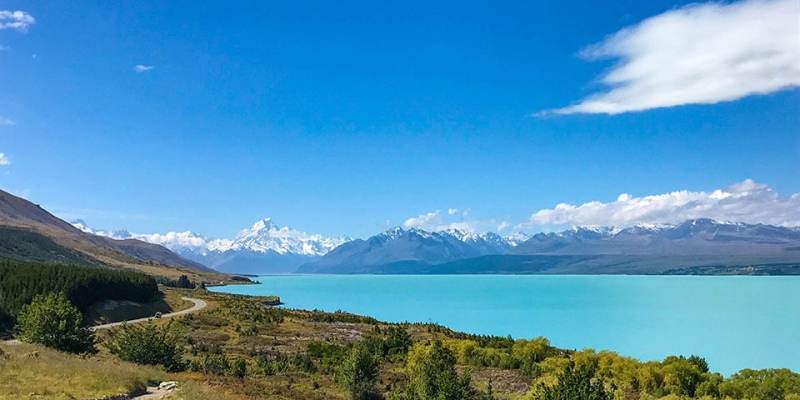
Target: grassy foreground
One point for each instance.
(240, 347)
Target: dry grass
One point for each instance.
(32, 371)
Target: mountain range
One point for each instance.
(267, 248)
(693, 246)
(30, 233)
(263, 248)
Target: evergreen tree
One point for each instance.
(360, 373)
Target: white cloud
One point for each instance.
(4, 160)
(142, 68)
(502, 225)
(425, 221)
(698, 54)
(746, 201)
(19, 20)
(6, 121)
(437, 221)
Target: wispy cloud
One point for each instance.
(6, 121)
(3, 48)
(142, 68)
(698, 54)
(746, 201)
(19, 20)
(4, 159)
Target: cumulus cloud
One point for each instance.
(425, 221)
(746, 201)
(4, 160)
(698, 54)
(438, 221)
(19, 20)
(142, 68)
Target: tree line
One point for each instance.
(83, 286)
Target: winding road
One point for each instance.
(198, 305)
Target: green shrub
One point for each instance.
(148, 345)
(53, 321)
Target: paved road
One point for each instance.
(198, 305)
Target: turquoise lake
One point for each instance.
(734, 322)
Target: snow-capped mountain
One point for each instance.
(693, 237)
(265, 236)
(398, 245)
(263, 248)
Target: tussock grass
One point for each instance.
(32, 371)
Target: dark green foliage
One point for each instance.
(272, 364)
(148, 345)
(244, 309)
(392, 345)
(220, 364)
(340, 316)
(397, 341)
(360, 373)
(700, 362)
(575, 383)
(237, 368)
(211, 364)
(83, 286)
(182, 283)
(53, 321)
(303, 362)
(330, 355)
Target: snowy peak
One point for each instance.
(264, 236)
(694, 237)
(265, 224)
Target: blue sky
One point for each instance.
(347, 117)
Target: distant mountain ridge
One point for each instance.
(263, 248)
(644, 248)
(696, 237)
(266, 247)
(409, 247)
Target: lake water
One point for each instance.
(734, 322)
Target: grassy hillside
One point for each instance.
(30, 233)
(22, 245)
